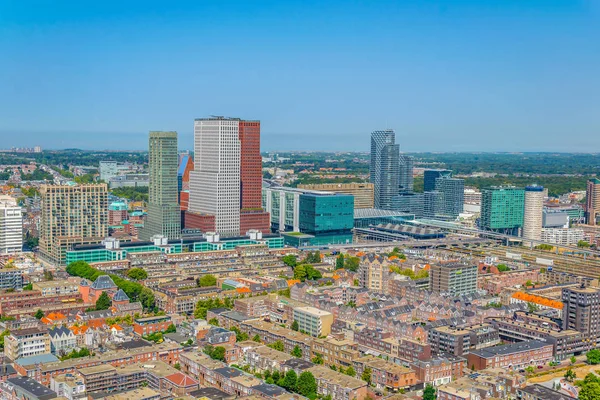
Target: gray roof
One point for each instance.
(542, 392)
(491, 352)
(212, 393)
(269, 390)
(228, 372)
(120, 296)
(39, 359)
(103, 282)
(33, 387)
(59, 331)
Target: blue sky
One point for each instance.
(494, 75)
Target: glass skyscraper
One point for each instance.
(164, 214)
(405, 179)
(502, 209)
(453, 191)
(430, 175)
(384, 169)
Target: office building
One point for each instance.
(108, 170)
(70, 215)
(430, 175)
(592, 203)
(129, 180)
(186, 165)
(310, 217)
(313, 321)
(433, 204)
(363, 192)
(384, 169)
(453, 278)
(502, 209)
(562, 236)
(225, 186)
(405, 173)
(552, 218)
(11, 226)
(164, 216)
(533, 212)
(453, 195)
(414, 203)
(581, 311)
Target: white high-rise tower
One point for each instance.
(532, 217)
(11, 226)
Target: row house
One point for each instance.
(494, 283)
(337, 385)
(511, 356)
(270, 333)
(263, 358)
(440, 370)
(338, 353)
(385, 374)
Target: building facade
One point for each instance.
(164, 217)
(453, 278)
(363, 192)
(502, 209)
(313, 321)
(453, 192)
(592, 205)
(384, 169)
(71, 215)
(405, 176)
(533, 212)
(581, 311)
(430, 175)
(11, 226)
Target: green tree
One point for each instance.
(256, 338)
(2, 336)
(290, 381)
(593, 356)
(214, 321)
(583, 244)
(103, 302)
(277, 345)
(177, 366)
(429, 393)
(502, 267)
(573, 359)
(216, 353)
(590, 391)
(290, 260)
(295, 326)
(339, 262)
(317, 359)
(366, 375)
(296, 351)
(307, 385)
(352, 263)
(29, 286)
(300, 272)
(530, 369)
(207, 280)
(570, 375)
(137, 274)
(350, 371)
(39, 314)
(532, 307)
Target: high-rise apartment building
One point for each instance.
(164, 215)
(313, 321)
(581, 312)
(453, 193)
(384, 169)
(71, 214)
(430, 175)
(405, 175)
(533, 212)
(11, 226)
(226, 184)
(592, 203)
(363, 192)
(453, 278)
(502, 209)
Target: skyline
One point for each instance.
(449, 77)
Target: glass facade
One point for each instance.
(502, 209)
(453, 192)
(385, 169)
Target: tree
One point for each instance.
(29, 286)
(573, 359)
(216, 353)
(48, 275)
(339, 262)
(276, 376)
(39, 314)
(593, 356)
(530, 369)
(137, 274)
(570, 375)
(300, 272)
(207, 280)
(313, 258)
(590, 391)
(366, 375)
(583, 244)
(297, 352)
(290, 260)
(290, 381)
(214, 321)
(429, 393)
(295, 326)
(502, 267)
(103, 302)
(532, 307)
(352, 263)
(177, 366)
(350, 371)
(256, 338)
(277, 345)
(307, 385)
(317, 359)
(146, 297)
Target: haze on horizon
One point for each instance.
(447, 76)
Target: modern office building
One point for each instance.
(433, 204)
(363, 192)
(533, 212)
(186, 165)
(108, 169)
(405, 176)
(225, 186)
(313, 321)
(453, 195)
(11, 226)
(502, 209)
(562, 236)
(430, 175)
(71, 214)
(413, 203)
(553, 218)
(164, 215)
(310, 217)
(581, 312)
(453, 278)
(384, 169)
(592, 204)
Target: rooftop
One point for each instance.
(491, 352)
(32, 386)
(327, 374)
(545, 393)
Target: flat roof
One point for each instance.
(491, 352)
(545, 393)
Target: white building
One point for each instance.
(11, 226)
(534, 211)
(215, 180)
(561, 236)
(108, 169)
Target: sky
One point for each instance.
(454, 75)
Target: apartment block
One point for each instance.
(149, 325)
(449, 339)
(385, 374)
(11, 226)
(515, 356)
(337, 385)
(581, 311)
(440, 370)
(453, 278)
(27, 342)
(339, 353)
(313, 321)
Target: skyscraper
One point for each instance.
(226, 184)
(502, 209)
(164, 215)
(71, 215)
(592, 208)
(430, 175)
(405, 176)
(11, 226)
(581, 312)
(533, 212)
(453, 193)
(384, 169)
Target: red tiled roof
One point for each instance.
(180, 379)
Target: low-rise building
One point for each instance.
(440, 370)
(25, 388)
(149, 325)
(69, 386)
(313, 321)
(339, 353)
(62, 340)
(449, 339)
(27, 342)
(337, 385)
(511, 356)
(385, 374)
